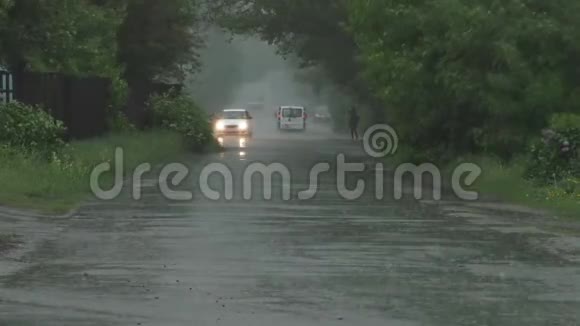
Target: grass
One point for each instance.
(58, 186)
(506, 183)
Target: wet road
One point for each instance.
(324, 261)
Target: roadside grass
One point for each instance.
(505, 182)
(57, 186)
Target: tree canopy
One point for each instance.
(159, 39)
(479, 74)
(73, 36)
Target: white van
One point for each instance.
(291, 118)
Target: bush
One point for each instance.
(555, 160)
(119, 92)
(118, 122)
(565, 121)
(180, 113)
(445, 68)
(30, 129)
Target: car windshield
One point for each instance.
(292, 113)
(234, 115)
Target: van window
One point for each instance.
(292, 113)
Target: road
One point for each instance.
(323, 261)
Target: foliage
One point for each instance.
(159, 39)
(180, 113)
(71, 36)
(565, 121)
(158, 42)
(556, 159)
(470, 76)
(119, 93)
(506, 182)
(118, 122)
(30, 129)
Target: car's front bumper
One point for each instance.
(233, 132)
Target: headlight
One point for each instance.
(219, 126)
(243, 125)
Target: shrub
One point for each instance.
(555, 160)
(30, 129)
(180, 113)
(119, 92)
(565, 121)
(118, 122)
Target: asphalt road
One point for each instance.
(323, 261)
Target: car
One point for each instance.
(322, 114)
(234, 122)
(291, 117)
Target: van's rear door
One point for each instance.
(293, 117)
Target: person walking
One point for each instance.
(353, 123)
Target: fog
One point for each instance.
(245, 70)
(242, 70)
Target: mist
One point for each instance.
(243, 70)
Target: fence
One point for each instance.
(80, 103)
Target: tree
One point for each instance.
(72, 36)
(158, 39)
(157, 42)
(463, 76)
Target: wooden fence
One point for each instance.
(79, 102)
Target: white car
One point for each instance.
(322, 114)
(291, 118)
(234, 122)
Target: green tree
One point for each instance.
(158, 41)
(460, 76)
(72, 36)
